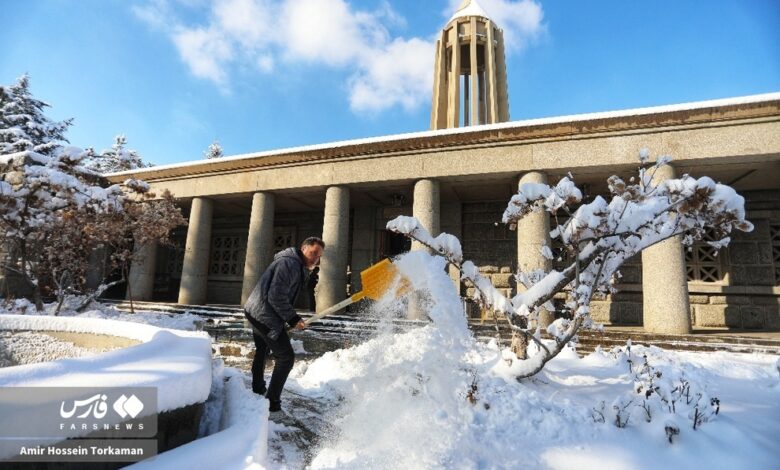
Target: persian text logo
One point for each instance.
(97, 407)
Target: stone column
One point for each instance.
(194, 273)
(259, 252)
(363, 237)
(140, 280)
(451, 222)
(533, 232)
(332, 286)
(665, 305)
(426, 208)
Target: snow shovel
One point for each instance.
(376, 280)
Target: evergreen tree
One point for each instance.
(117, 158)
(23, 125)
(214, 151)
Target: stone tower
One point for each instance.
(469, 81)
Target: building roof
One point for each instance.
(471, 135)
(470, 8)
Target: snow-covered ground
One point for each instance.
(435, 398)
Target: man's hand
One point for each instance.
(301, 325)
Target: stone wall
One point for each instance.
(486, 241)
(749, 297)
(291, 228)
(490, 245)
(624, 307)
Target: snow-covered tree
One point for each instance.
(597, 238)
(214, 151)
(54, 210)
(38, 195)
(117, 158)
(23, 125)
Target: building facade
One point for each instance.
(458, 178)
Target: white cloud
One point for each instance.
(321, 30)
(206, 52)
(400, 73)
(249, 22)
(386, 71)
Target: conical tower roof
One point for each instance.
(470, 8)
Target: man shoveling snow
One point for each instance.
(270, 307)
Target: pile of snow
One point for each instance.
(435, 398)
(239, 434)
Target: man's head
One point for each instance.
(312, 249)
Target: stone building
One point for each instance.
(458, 177)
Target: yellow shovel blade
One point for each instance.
(378, 279)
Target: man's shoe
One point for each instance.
(275, 406)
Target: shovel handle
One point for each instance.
(328, 311)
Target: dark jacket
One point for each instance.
(271, 301)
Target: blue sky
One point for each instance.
(173, 75)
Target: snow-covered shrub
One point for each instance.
(660, 392)
(597, 237)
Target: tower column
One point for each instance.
(665, 303)
(474, 97)
(332, 286)
(490, 75)
(502, 89)
(453, 113)
(195, 271)
(439, 106)
(259, 252)
(533, 233)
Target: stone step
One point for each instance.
(743, 342)
(204, 310)
(226, 324)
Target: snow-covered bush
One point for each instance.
(597, 237)
(664, 393)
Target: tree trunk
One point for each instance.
(125, 270)
(519, 346)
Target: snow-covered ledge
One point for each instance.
(177, 362)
